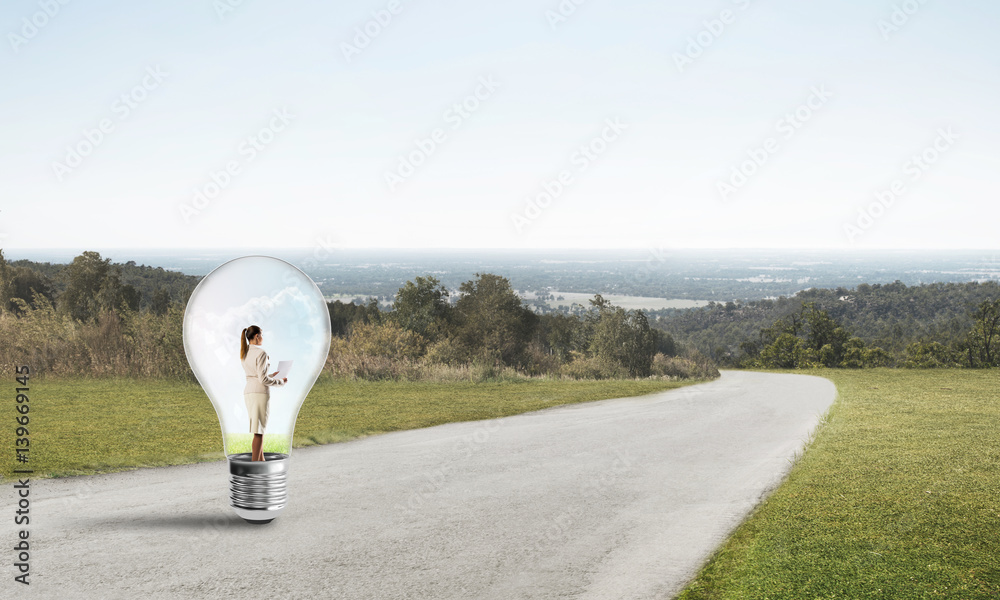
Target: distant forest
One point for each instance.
(92, 317)
(96, 317)
(934, 324)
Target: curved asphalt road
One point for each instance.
(619, 498)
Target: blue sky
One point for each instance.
(289, 141)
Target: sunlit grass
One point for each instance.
(898, 497)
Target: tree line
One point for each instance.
(92, 317)
(930, 325)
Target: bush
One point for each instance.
(930, 355)
(446, 352)
(698, 366)
(362, 357)
(386, 339)
(786, 352)
(345, 363)
(484, 370)
(857, 356)
(623, 338)
(130, 344)
(592, 368)
(540, 362)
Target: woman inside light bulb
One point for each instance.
(257, 391)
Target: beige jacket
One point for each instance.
(256, 366)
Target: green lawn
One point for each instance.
(898, 497)
(82, 426)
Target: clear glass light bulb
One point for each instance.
(295, 325)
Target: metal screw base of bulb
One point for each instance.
(257, 489)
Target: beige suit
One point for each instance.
(257, 392)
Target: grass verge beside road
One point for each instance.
(83, 426)
(898, 497)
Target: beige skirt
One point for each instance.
(258, 407)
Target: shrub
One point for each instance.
(484, 370)
(930, 355)
(129, 344)
(592, 368)
(386, 339)
(540, 362)
(446, 352)
(697, 366)
(857, 356)
(786, 352)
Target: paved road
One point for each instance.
(614, 499)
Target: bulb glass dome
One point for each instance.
(295, 325)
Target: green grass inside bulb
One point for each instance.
(237, 443)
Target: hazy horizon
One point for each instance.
(675, 274)
(458, 249)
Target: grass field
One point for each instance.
(83, 426)
(898, 497)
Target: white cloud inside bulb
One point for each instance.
(255, 311)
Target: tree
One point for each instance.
(750, 353)
(788, 351)
(25, 283)
(373, 314)
(824, 342)
(94, 285)
(982, 344)
(561, 334)
(930, 354)
(854, 354)
(343, 314)
(5, 282)
(824, 335)
(598, 305)
(599, 302)
(623, 338)
(160, 302)
(421, 306)
(791, 324)
(665, 343)
(492, 323)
